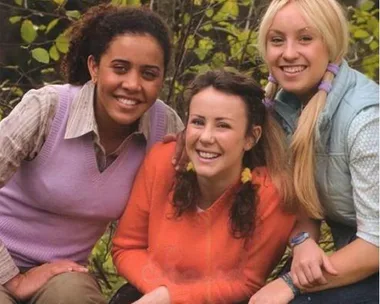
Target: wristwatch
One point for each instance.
(299, 238)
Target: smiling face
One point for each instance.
(128, 79)
(216, 135)
(295, 52)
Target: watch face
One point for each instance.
(299, 238)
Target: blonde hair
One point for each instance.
(328, 17)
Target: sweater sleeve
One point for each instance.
(130, 243)
(8, 269)
(264, 251)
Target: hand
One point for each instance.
(180, 158)
(159, 295)
(308, 262)
(276, 292)
(24, 286)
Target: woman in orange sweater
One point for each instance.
(213, 233)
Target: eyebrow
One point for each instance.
(123, 61)
(304, 29)
(217, 118)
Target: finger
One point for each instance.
(300, 280)
(308, 276)
(169, 138)
(328, 266)
(319, 278)
(179, 148)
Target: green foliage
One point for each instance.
(364, 28)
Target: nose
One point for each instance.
(207, 135)
(290, 51)
(132, 81)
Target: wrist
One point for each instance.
(289, 282)
(298, 239)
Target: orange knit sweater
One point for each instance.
(195, 255)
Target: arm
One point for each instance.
(360, 258)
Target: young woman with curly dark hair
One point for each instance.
(213, 233)
(69, 153)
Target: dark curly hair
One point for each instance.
(269, 150)
(92, 34)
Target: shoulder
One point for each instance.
(160, 156)
(174, 122)
(41, 101)
(360, 90)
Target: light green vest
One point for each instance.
(351, 93)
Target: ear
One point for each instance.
(252, 138)
(92, 68)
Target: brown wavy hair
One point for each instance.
(94, 31)
(270, 151)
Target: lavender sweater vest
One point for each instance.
(59, 204)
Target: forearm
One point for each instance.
(354, 262)
(139, 270)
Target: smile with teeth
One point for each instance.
(208, 155)
(127, 102)
(293, 69)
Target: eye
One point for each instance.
(223, 125)
(276, 40)
(120, 69)
(150, 75)
(196, 122)
(306, 39)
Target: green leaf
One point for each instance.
(41, 55)
(73, 14)
(17, 91)
(18, 2)
(60, 2)
(62, 43)
(361, 33)
(204, 46)
(51, 25)
(28, 32)
(15, 19)
(367, 6)
(53, 53)
(209, 12)
(374, 45)
(190, 42)
(218, 60)
(229, 9)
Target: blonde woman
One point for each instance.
(331, 113)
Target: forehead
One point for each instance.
(290, 17)
(211, 102)
(135, 47)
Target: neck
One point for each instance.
(304, 98)
(211, 190)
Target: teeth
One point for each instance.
(127, 102)
(293, 69)
(208, 155)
